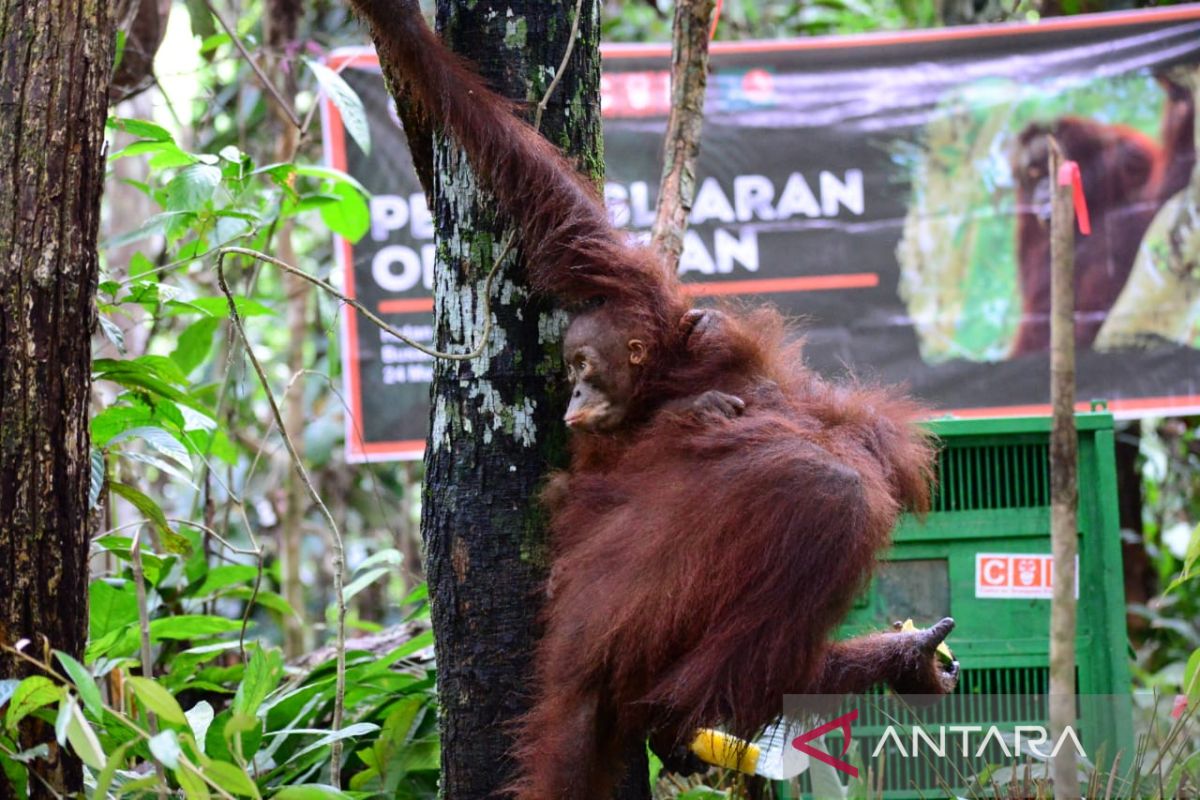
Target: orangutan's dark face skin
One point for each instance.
(602, 366)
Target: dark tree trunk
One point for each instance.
(496, 421)
(55, 62)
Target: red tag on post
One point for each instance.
(1069, 175)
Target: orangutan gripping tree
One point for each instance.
(723, 505)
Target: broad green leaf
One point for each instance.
(348, 103)
(33, 693)
(140, 128)
(193, 188)
(162, 154)
(231, 778)
(114, 762)
(115, 419)
(350, 218)
(363, 581)
(331, 174)
(161, 464)
(218, 578)
(348, 732)
(310, 791)
(138, 786)
(219, 307)
(191, 626)
(194, 787)
(1191, 678)
(139, 379)
(164, 746)
(262, 674)
(387, 557)
(157, 699)
(95, 478)
(82, 738)
(142, 503)
(139, 265)
(84, 683)
(16, 772)
(161, 440)
(194, 344)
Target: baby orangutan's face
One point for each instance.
(602, 366)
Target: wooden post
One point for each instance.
(1064, 489)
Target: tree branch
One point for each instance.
(689, 78)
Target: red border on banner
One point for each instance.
(366, 58)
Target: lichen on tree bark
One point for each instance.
(55, 64)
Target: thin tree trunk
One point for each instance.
(496, 421)
(1064, 489)
(282, 21)
(55, 64)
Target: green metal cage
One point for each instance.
(993, 500)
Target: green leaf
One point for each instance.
(82, 738)
(115, 419)
(262, 675)
(194, 344)
(158, 463)
(164, 746)
(310, 791)
(194, 787)
(95, 478)
(140, 379)
(191, 626)
(225, 575)
(219, 307)
(363, 581)
(33, 693)
(157, 699)
(142, 503)
(111, 608)
(112, 333)
(84, 683)
(114, 762)
(140, 128)
(348, 104)
(193, 188)
(231, 778)
(330, 174)
(161, 440)
(139, 265)
(14, 771)
(1191, 678)
(349, 218)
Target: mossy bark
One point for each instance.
(496, 421)
(56, 58)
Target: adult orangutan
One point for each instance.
(724, 504)
(1127, 177)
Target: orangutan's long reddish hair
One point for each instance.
(700, 565)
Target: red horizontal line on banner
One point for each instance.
(1107, 19)
(807, 283)
(1182, 403)
(409, 306)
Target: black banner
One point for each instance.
(869, 187)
